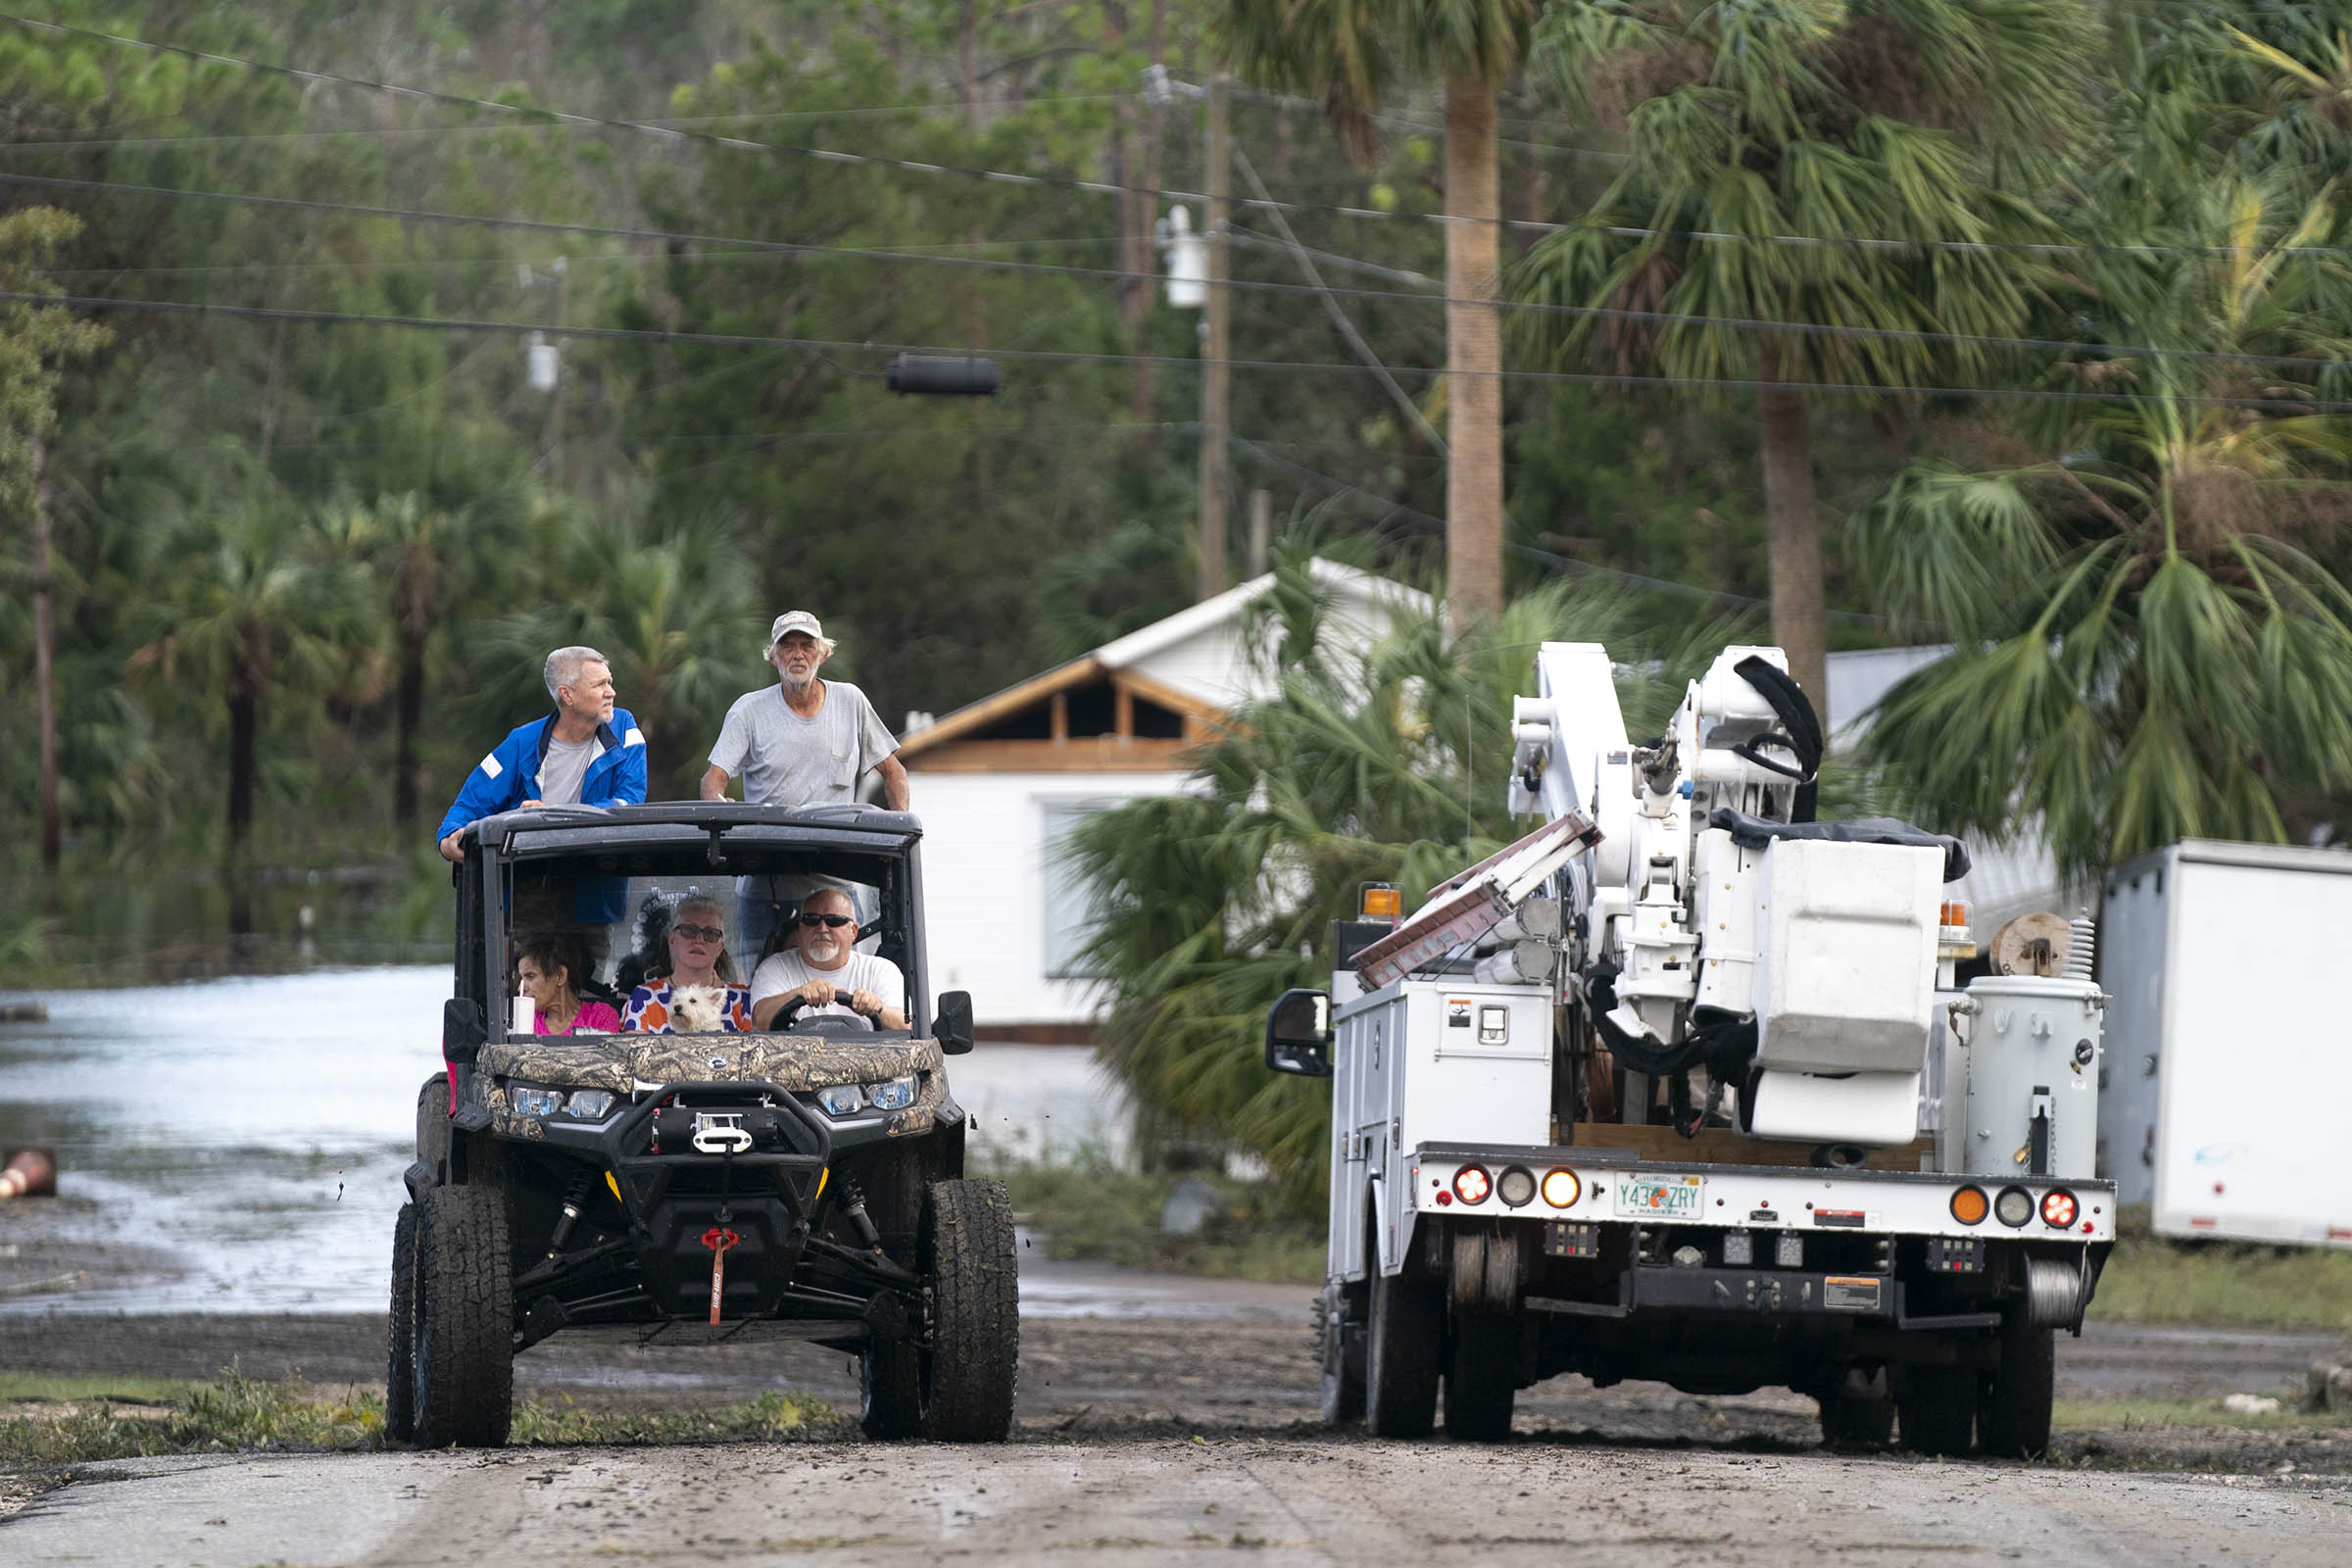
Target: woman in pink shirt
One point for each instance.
(543, 970)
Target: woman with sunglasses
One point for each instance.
(825, 972)
(697, 962)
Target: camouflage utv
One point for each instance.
(800, 1184)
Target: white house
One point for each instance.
(998, 783)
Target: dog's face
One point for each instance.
(696, 1009)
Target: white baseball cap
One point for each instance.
(794, 620)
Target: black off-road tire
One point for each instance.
(967, 1254)
(400, 1347)
(1482, 1378)
(465, 1332)
(2014, 1421)
(1940, 1409)
(1401, 1352)
(890, 1389)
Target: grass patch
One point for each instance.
(1091, 1212)
(2149, 1279)
(38, 1388)
(238, 1414)
(2079, 1415)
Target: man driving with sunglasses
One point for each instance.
(823, 968)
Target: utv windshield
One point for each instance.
(678, 931)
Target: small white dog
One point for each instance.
(696, 1009)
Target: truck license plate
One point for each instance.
(1660, 1197)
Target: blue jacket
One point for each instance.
(510, 774)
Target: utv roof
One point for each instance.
(546, 829)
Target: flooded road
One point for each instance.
(235, 1146)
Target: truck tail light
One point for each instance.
(2058, 1209)
(1516, 1187)
(1970, 1206)
(1561, 1188)
(1472, 1184)
(2014, 1206)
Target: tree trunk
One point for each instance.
(1794, 532)
(44, 661)
(967, 65)
(1156, 117)
(411, 715)
(1473, 353)
(244, 738)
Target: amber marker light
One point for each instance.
(1561, 1188)
(1970, 1206)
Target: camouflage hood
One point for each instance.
(621, 1062)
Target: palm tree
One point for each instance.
(1354, 53)
(672, 606)
(1827, 120)
(428, 558)
(2145, 648)
(244, 612)
(1382, 765)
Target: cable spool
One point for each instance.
(2083, 935)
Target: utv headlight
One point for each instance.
(896, 1095)
(841, 1100)
(524, 1101)
(590, 1105)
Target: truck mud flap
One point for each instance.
(1771, 1293)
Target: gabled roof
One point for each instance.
(1117, 659)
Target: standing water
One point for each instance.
(237, 1145)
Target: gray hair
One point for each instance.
(564, 667)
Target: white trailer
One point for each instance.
(1678, 1087)
(2219, 956)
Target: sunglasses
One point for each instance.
(834, 920)
(700, 933)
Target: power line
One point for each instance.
(1095, 187)
(102, 144)
(1121, 275)
(820, 346)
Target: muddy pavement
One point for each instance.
(1164, 1420)
(1166, 1500)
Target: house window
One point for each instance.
(1069, 902)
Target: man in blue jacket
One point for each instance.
(586, 752)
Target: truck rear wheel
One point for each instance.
(1857, 1411)
(1482, 1378)
(1401, 1355)
(465, 1325)
(1940, 1409)
(2014, 1421)
(967, 1253)
(400, 1370)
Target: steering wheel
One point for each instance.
(825, 1023)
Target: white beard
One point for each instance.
(696, 1009)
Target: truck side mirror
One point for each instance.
(952, 1025)
(1298, 1034)
(463, 1031)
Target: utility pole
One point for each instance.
(44, 642)
(1261, 530)
(551, 438)
(1214, 371)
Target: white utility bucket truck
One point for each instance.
(1679, 1086)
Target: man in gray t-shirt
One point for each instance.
(801, 742)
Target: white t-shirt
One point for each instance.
(564, 769)
(866, 972)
